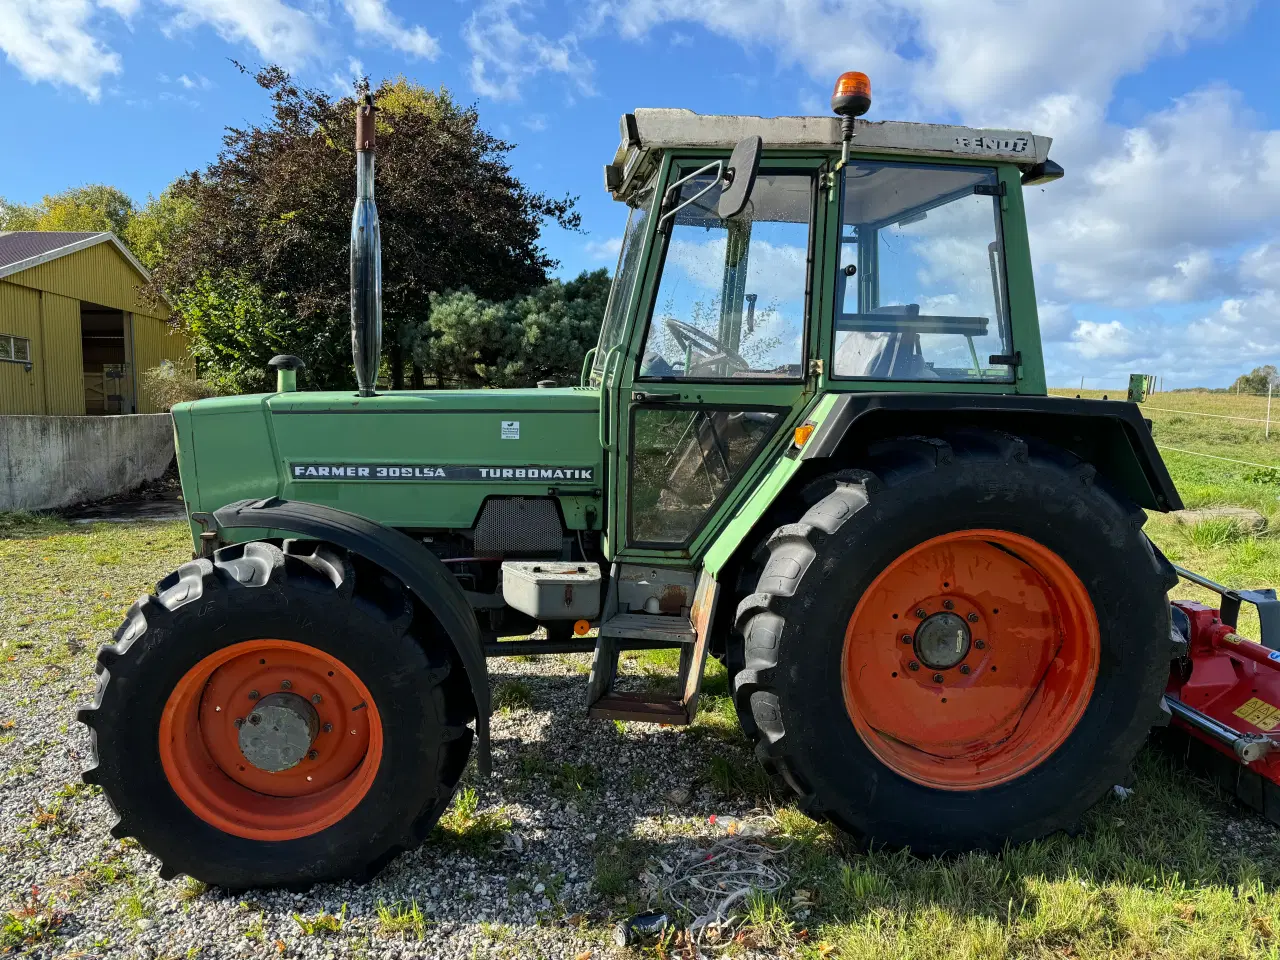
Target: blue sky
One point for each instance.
(1159, 252)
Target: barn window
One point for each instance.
(17, 349)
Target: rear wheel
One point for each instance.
(278, 717)
(963, 645)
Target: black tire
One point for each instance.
(815, 571)
(310, 593)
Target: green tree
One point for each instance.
(154, 228)
(92, 208)
(515, 342)
(1257, 381)
(235, 329)
(274, 211)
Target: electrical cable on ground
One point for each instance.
(712, 884)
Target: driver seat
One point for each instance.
(885, 355)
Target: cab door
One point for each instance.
(716, 373)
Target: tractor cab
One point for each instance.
(850, 257)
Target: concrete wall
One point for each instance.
(48, 462)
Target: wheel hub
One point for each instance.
(942, 640)
(270, 766)
(970, 658)
(279, 732)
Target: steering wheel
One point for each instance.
(688, 337)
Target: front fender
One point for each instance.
(401, 556)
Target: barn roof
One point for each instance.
(23, 249)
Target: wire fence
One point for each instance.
(1155, 389)
(1210, 456)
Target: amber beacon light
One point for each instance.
(850, 98)
(852, 95)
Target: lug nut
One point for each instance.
(327, 728)
(937, 678)
(316, 698)
(906, 638)
(311, 754)
(912, 665)
(948, 605)
(980, 644)
(964, 668)
(254, 694)
(972, 618)
(254, 719)
(920, 613)
(286, 684)
(239, 721)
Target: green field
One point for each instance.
(1190, 429)
(1175, 871)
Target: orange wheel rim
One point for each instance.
(301, 714)
(965, 709)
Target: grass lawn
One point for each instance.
(1174, 871)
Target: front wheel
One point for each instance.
(278, 717)
(963, 645)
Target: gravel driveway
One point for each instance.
(535, 861)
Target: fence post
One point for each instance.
(1269, 385)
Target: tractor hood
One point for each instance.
(407, 459)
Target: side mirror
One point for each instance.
(735, 179)
(739, 177)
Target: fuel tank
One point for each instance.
(406, 459)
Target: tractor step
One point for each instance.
(626, 629)
(635, 706)
(646, 626)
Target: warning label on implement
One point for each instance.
(1259, 713)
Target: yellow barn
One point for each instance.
(76, 332)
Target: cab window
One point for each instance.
(920, 290)
(731, 300)
(613, 327)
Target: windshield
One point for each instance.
(921, 290)
(613, 328)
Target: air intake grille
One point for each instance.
(528, 526)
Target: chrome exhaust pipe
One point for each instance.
(366, 260)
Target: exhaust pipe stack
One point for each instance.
(366, 260)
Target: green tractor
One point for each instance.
(813, 442)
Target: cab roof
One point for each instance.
(649, 131)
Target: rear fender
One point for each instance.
(402, 557)
(1109, 434)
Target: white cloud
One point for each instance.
(1056, 320)
(982, 59)
(1154, 215)
(200, 82)
(504, 56)
(605, 251)
(53, 41)
(277, 31)
(344, 85)
(374, 21)
(1261, 265)
(1094, 341)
